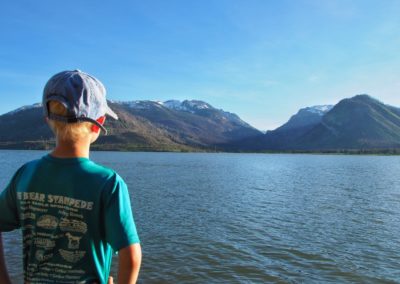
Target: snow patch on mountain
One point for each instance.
(319, 109)
(194, 104)
(173, 104)
(139, 104)
(187, 105)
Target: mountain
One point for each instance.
(299, 124)
(360, 122)
(142, 125)
(283, 137)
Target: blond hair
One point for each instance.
(67, 131)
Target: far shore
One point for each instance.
(29, 146)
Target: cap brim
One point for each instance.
(111, 113)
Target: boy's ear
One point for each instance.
(95, 128)
(100, 120)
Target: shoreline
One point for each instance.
(346, 152)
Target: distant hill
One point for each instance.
(361, 122)
(142, 125)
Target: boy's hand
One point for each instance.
(110, 280)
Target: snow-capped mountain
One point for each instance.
(145, 124)
(196, 107)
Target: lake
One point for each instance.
(254, 218)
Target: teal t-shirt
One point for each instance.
(73, 214)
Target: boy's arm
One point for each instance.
(4, 278)
(129, 261)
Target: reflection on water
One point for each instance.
(255, 218)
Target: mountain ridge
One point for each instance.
(357, 123)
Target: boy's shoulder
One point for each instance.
(104, 170)
(80, 164)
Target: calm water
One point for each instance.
(254, 218)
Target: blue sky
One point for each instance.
(260, 59)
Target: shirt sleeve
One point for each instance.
(120, 229)
(9, 219)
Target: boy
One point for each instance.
(73, 213)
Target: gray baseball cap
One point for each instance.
(83, 96)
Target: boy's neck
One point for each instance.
(66, 149)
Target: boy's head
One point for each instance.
(75, 105)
